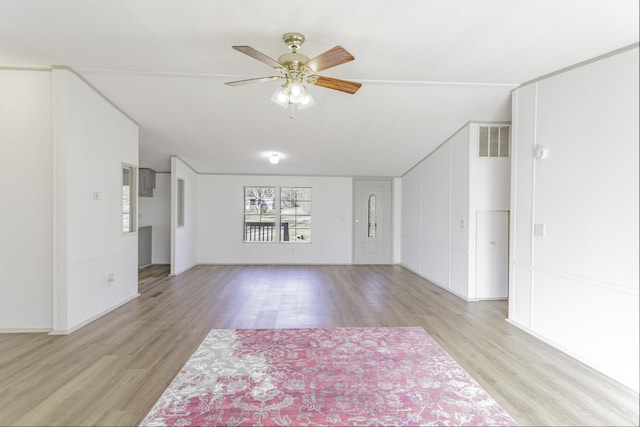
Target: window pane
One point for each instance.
(295, 210)
(252, 218)
(303, 208)
(288, 219)
(504, 141)
(299, 228)
(260, 218)
(303, 222)
(302, 235)
(294, 197)
(259, 199)
(493, 141)
(260, 231)
(484, 141)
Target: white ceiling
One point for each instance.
(427, 68)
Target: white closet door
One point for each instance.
(492, 255)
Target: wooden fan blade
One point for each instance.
(337, 84)
(334, 56)
(249, 81)
(248, 50)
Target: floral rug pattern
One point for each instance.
(335, 376)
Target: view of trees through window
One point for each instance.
(273, 214)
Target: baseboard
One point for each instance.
(602, 369)
(451, 291)
(284, 263)
(92, 318)
(24, 330)
(177, 273)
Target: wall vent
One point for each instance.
(494, 141)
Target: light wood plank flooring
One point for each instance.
(113, 370)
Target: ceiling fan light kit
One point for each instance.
(293, 92)
(296, 69)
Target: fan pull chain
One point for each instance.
(293, 111)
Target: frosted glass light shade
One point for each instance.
(296, 89)
(293, 92)
(306, 101)
(281, 96)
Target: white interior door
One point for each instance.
(492, 255)
(373, 209)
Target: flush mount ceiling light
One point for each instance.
(296, 69)
(274, 159)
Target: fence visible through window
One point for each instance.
(264, 231)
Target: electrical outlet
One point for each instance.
(538, 230)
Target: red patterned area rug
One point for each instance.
(336, 376)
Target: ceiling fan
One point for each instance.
(296, 69)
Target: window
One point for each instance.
(128, 199)
(180, 198)
(273, 214)
(494, 141)
(295, 214)
(259, 214)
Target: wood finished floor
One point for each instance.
(113, 370)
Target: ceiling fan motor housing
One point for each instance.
(293, 61)
(293, 40)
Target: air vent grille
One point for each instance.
(494, 141)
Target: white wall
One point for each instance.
(183, 238)
(577, 287)
(440, 198)
(397, 220)
(91, 140)
(435, 199)
(411, 215)
(220, 219)
(25, 189)
(156, 212)
(461, 223)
